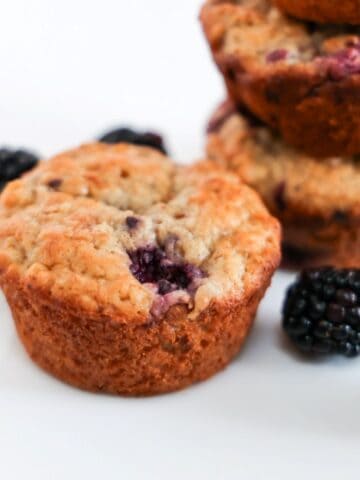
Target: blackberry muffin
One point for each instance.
(124, 272)
(302, 80)
(317, 201)
(323, 11)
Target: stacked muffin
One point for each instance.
(291, 126)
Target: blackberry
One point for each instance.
(132, 222)
(321, 312)
(152, 265)
(126, 135)
(13, 163)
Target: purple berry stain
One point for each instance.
(279, 196)
(132, 222)
(55, 183)
(277, 55)
(152, 264)
(343, 63)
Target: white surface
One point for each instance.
(70, 70)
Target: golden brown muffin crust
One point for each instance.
(324, 11)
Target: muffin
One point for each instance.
(317, 201)
(323, 11)
(301, 79)
(126, 274)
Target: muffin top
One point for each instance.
(295, 186)
(263, 38)
(121, 231)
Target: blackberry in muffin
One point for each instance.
(323, 11)
(125, 274)
(316, 200)
(302, 79)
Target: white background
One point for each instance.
(69, 70)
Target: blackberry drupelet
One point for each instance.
(321, 311)
(13, 163)
(127, 135)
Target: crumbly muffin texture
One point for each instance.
(317, 200)
(300, 78)
(326, 11)
(85, 224)
(263, 36)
